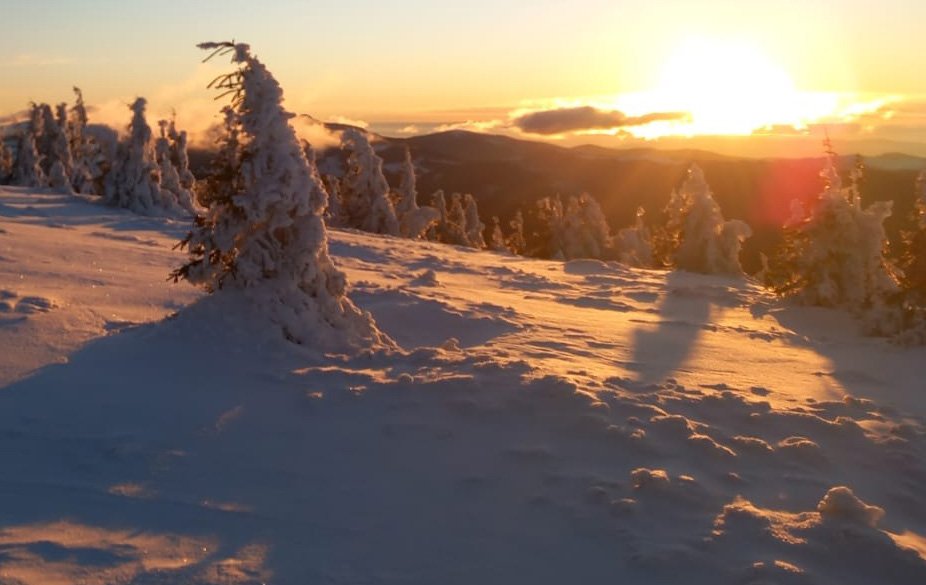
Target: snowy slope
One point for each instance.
(544, 423)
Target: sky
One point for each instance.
(608, 72)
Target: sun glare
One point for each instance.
(728, 87)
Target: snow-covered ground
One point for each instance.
(544, 423)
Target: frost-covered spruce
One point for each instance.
(497, 239)
(913, 260)
(27, 170)
(334, 213)
(86, 155)
(912, 326)
(135, 179)
(6, 163)
(585, 230)
(515, 240)
(61, 146)
(364, 190)
(59, 180)
(263, 232)
(454, 229)
(414, 221)
(408, 193)
(473, 225)
(171, 185)
(833, 253)
(707, 243)
(635, 243)
(552, 227)
(179, 155)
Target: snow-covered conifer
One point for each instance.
(263, 232)
(408, 194)
(364, 190)
(59, 180)
(172, 188)
(473, 226)
(515, 240)
(439, 202)
(913, 260)
(135, 179)
(6, 163)
(706, 243)
(834, 254)
(585, 230)
(27, 170)
(635, 243)
(334, 213)
(414, 221)
(86, 173)
(454, 227)
(497, 239)
(552, 227)
(179, 154)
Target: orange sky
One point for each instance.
(781, 69)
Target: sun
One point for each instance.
(730, 87)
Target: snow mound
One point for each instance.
(154, 434)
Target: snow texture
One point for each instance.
(545, 422)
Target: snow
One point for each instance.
(544, 422)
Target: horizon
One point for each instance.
(702, 77)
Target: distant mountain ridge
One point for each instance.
(506, 174)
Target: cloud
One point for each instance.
(563, 120)
(315, 133)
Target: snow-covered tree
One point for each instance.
(497, 239)
(364, 191)
(703, 241)
(334, 213)
(135, 179)
(635, 243)
(552, 227)
(221, 182)
(913, 259)
(171, 185)
(86, 172)
(179, 156)
(27, 170)
(913, 278)
(6, 163)
(833, 253)
(515, 240)
(408, 194)
(417, 223)
(576, 230)
(61, 146)
(586, 233)
(263, 231)
(414, 221)
(453, 227)
(472, 224)
(59, 180)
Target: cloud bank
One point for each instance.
(563, 120)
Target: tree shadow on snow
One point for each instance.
(206, 449)
(662, 347)
(49, 208)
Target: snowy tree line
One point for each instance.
(834, 251)
(58, 149)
